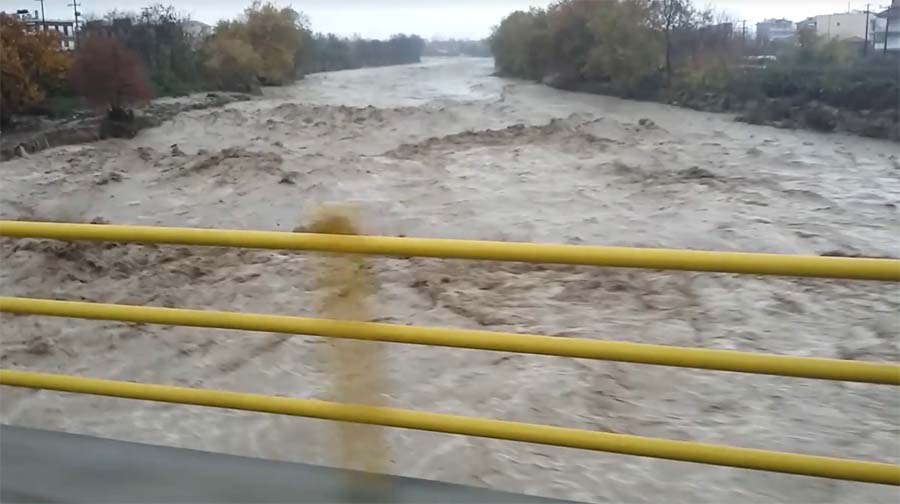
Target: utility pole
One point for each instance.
(887, 26)
(74, 5)
(866, 44)
(43, 19)
(743, 38)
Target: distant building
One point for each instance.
(775, 30)
(886, 25)
(196, 29)
(807, 24)
(843, 26)
(65, 29)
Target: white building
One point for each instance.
(843, 26)
(64, 28)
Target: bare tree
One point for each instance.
(672, 16)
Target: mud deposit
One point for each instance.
(443, 149)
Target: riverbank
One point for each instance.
(783, 113)
(625, 49)
(88, 126)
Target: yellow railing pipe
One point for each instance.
(809, 465)
(641, 353)
(693, 260)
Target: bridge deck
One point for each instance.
(47, 466)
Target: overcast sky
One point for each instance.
(428, 18)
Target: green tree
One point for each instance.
(520, 44)
(232, 64)
(570, 34)
(626, 48)
(278, 37)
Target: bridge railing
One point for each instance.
(720, 360)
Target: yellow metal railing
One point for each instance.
(729, 262)
(625, 257)
(640, 353)
(809, 465)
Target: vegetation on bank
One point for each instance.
(330, 52)
(108, 74)
(157, 37)
(126, 58)
(671, 51)
(32, 66)
(265, 45)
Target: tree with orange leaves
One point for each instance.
(33, 64)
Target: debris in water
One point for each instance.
(344, 286)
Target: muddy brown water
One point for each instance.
(444, 149)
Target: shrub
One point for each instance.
(825, 71)
(107, 74)
(821, 118)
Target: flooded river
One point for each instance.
(444, 149)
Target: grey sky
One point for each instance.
(428, 18)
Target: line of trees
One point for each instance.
(330, 52)
(672, 50)
(635, 46)
(125, 58)
(158, 39)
